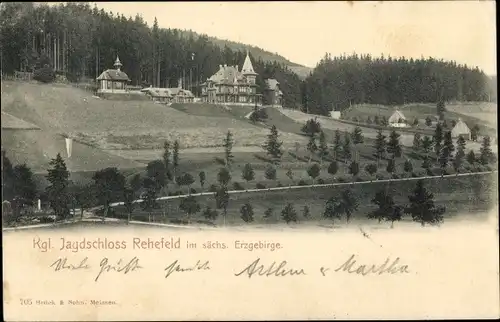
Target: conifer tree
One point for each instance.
(471, 157)
(446, 150)
(247, 173)
(345, 204)
(306, 212)
(461, 144)
(175, 159)
(289, 214)
(333, 168)
(166, 161)
(486, 155)
(270, 173)
(223, 177)
(417, 142)
(408, 166)
(422, 208)
(346, 148)
(391, 166)
(313, 171)
(371, 169)
(247, 213)
(311, 147)
(438, 140)
(203, 178)
(337, 145)
(357, 136)
(394, 146)
(354, 169)
(386, 208)
(426, 146)
(323, 149)
(273, 145)
(228, 147)
(149, 200)
(190, 206)
(380, 146)
(289, 174)
(222, 200)
(57, 191)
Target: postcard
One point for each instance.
(249, 160)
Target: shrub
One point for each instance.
(488, 168)
(436, 171)
(419, 173)
(396, 176)
(302, 182)
(260, 186)
(237, 186)
(360, 179)
(279, 184)
(321, 181)
(379, 176)
(192, 190)
(342, 179)
(44, 75)
(479, 168)
(213, 188)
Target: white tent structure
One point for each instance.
(460, 129)
(397, 119)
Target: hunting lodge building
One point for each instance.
(231, 86)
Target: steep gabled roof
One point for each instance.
(248, 67)
(226, 74)
(396, 116)
(157, 92)
(113, 74)
(460, 128)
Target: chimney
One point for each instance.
(220, 66)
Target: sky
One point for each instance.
(303, 32)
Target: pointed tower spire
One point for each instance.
(118, 64)
(247, 68)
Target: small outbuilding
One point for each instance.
(461, 129)
(113, 80)
(397, 119)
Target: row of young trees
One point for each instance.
(421, 208)
(339, 82)
(81, 42)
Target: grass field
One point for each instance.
(461, 194)
(10, 122)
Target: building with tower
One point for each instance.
(113, 80)
(229, 85)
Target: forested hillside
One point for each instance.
(339, 82)
(256, 52)
(80, 42)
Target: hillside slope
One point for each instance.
(102, 128)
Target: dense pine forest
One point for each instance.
(79, 41)
(339, 82)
